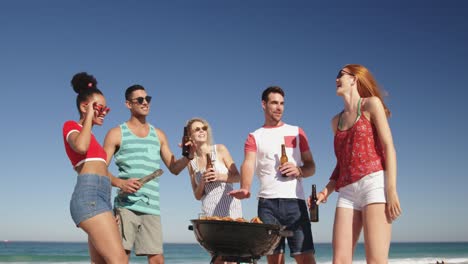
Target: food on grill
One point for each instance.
(227, 218)
(213, 218)
(256, 220)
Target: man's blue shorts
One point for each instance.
(293, 214)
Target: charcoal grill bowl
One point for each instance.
(237, 239)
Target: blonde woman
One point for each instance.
(213, 185)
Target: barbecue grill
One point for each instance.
(237, 241)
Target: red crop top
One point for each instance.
(95, 150)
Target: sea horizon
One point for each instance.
(76, 252)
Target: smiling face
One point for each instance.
(344, 81)
(199, 132)
(100, 108)
(273, 109)
(137, 106)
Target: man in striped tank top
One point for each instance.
(138, 149)
(281, 196)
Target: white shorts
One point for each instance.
(368, 190)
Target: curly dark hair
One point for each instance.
(85, 85)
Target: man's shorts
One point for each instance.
(293, 214)
(368, 190)
(91, 197)
(140, 231)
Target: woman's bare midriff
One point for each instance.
(92, 167)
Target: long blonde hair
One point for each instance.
(209, 134)
(366, 84)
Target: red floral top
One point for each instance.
(358, 152)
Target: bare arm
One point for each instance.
(174, 165)
(111, 145)
(322, 196)
(79, 141)
(247, 171)
(308, 167)
(379, 119)
(232, 174)
(198, 189)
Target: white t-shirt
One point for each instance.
(266, 143)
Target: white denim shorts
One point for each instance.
(368, 190)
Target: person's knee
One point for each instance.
(342, 259)
(156, 259)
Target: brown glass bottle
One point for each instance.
(284, 157)
(314, 208)
(185, 139)
(209, 164)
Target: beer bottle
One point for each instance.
(314, 209)
(209, 164)
(185, 139)
(283, 158)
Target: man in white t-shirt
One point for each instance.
(281, 196)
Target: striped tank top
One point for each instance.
(136, 158)
(216, 201)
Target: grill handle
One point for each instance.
(190, 227)
(285, 233)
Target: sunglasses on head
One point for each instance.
(204, 128)
(343, 72)
(101, 108)
(140, 99)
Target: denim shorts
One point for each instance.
(91, 197)
(293, 214)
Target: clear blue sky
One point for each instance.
(213, 59)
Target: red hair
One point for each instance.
(366, 84)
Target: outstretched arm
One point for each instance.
(247, 171)
(174, 165)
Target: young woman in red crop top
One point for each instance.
(90, 205)
(365, 173)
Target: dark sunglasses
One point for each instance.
(343, 72)
(204, 128)
(140, 99)
(101, 108)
